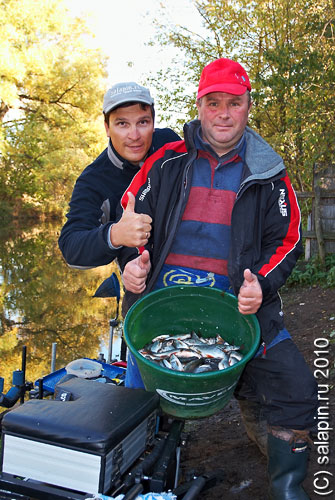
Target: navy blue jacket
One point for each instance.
(96, 194)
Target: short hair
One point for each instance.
(127, 105)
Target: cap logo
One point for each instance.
(239, 78)
(124, 90)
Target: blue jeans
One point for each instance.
(133, 376)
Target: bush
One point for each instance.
(313, 272)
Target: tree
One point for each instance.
(51, 88)
(288, 50)
(42, 301)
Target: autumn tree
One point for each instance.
(288, 49)
(42, 301)
(51, 90)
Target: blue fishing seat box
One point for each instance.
(84, 443)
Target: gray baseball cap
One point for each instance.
(124, 92)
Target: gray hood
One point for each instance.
(262, 161)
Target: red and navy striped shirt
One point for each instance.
(202, 241)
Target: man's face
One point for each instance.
(130, 130)
(223, 119)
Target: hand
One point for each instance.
(135, 273)
(250, 296)
(132, 230)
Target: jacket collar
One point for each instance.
(114, 157)
(261, 160)
(120, 162)
(200, 143)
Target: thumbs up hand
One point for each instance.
(131, 202)
(132, 230)
(135, 273)
(250, 296)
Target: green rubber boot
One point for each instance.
(287, 468)
(254, 423)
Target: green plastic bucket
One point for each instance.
(179, 310)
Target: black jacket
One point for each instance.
(265, 223)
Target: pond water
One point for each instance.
(46, 303)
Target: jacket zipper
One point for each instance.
(167, 244)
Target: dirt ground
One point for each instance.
(219, 443)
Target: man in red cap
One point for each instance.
(224, 214)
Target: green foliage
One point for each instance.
(312, 272)
(288, 49)
(43, 301)
(51, 88)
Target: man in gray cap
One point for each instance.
(90, 238)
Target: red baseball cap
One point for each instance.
(223, 75)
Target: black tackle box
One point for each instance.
(84, 439)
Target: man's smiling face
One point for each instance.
(130, 130)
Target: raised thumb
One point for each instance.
(131, 202)
(145, 259)
(248, 276)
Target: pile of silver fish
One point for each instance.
(192, 353)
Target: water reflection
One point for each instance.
(43, 301)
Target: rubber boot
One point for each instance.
(254, 423)
(287, 468)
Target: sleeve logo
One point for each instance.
(282, 203)
(145, 191)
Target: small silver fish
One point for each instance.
(192, 353)
(224, 363)
(160, 338)
(203, 369)
(191, 366)
(236, 355)
(210, 351)
(230, 348)
(156, 346)
(176, 363)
